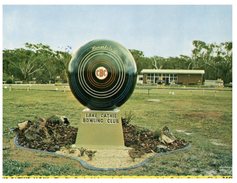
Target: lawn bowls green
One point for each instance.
(102, 74)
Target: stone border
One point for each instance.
(90, 167)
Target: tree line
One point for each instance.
(35, 62)
(40, 63)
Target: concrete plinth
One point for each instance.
(100, 129)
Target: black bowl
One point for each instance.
(102, 75)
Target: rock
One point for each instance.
(54, 120)
(23, 125)
(41, 122)
(166, 136)
(65, 119)
(161, 148)
(57, 120)
(166, 140)
(56, 147)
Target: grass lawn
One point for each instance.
(203, 117)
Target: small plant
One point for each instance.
(10, 81)
(157, 134)
(134, 153)
(90, 154)
(128, 117)
(67, 146)
(82, 151)
(72, 151)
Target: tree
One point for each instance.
(8, 68)
(186, 62)
(215, 59)
(35, 61)
(223, 61)
(62, 59)
(27, 61)
(141, 61)
(41, 62)
(158, 62)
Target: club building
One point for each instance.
(170, 76)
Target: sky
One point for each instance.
(161, 30)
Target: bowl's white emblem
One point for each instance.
(101, 73)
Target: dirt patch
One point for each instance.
(203, 115)
(217, 142)
(153, 100)
(111, 157)
(184, 131)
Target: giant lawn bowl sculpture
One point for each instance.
(102, 75)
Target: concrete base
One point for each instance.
(100, 129)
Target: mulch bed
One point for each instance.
(49, 137)
(148, 141)
(55, 132)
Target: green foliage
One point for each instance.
(11, 167)
(40, 62)
(215, 59)
(36, 62)
(128, 117)
(141, 61)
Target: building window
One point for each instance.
(158, 78)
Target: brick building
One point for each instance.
(168, 76)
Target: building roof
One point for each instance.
(172, 71)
